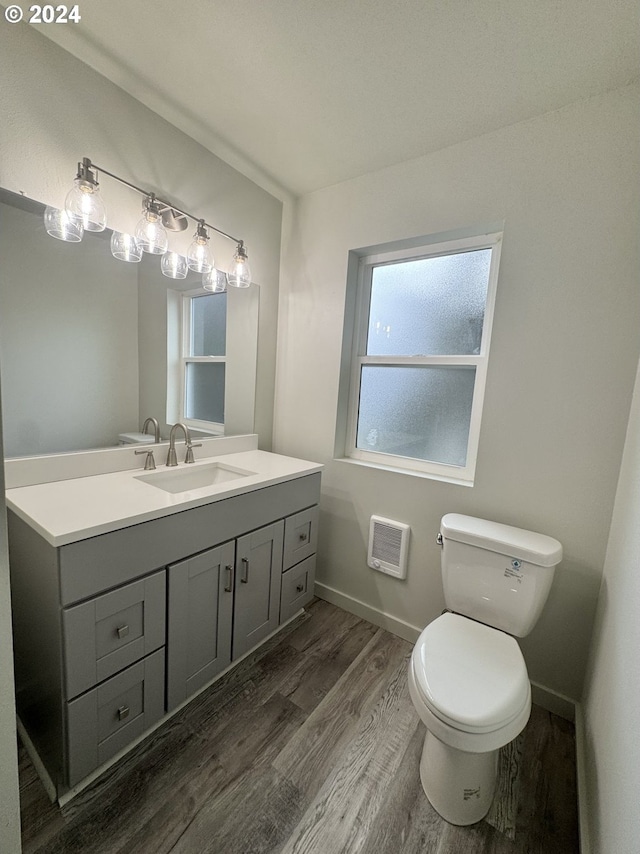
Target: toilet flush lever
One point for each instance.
(439, 539)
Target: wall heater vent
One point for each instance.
(388, 546)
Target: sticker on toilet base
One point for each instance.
(514, 571)
(469, 794)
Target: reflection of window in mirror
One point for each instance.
(199, 384)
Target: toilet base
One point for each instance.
(459, 785)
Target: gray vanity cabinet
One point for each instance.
(200, 596)
(257, 593)
(113, 631)
(221, 603)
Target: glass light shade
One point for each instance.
(62, 226)
(125, 247)
(174, 265)
(84, 201)
(239, 272)
(214, 281)
(151, 234)
(199, 256)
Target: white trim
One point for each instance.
(581, 778)
(359, 358)
(553, 701)
(366, 612)
(41, 771)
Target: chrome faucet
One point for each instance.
(171, 455)
(156, 428)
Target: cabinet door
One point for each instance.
(259, 576)
(200, 608)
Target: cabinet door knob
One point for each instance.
(122, 631)
(123, 712)
(303, 538)
(229, 586)
(300, 588)
(244, 578)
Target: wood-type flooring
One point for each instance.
(311, 745)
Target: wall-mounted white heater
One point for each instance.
(388, 546)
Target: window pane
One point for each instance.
(429, 307)
(209, 325)
(204, 396)
(418, 412)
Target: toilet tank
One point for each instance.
(495, 573)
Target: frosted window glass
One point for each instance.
(422, 412)
(429, 307)
(209, 325)
(204, 397)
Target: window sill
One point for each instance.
(410, 472)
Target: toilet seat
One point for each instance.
(470, 676)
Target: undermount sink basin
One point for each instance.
(193, 477)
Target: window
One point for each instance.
(203, 362)
(421, 344)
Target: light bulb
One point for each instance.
(125, 247)
(214, 281)
(239, 273)
(150, 232)
(199, 255)
(62, 226)
(84, 201)
(174, 265)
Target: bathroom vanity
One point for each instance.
(130, 597)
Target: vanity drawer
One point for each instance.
(297, 588)
(300, 536)
(103, 721)
(107, 634)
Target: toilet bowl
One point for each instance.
(470, 687)
(467, 677)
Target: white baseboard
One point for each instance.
(581, 775)
(552, 701)
(373, 615)
(41, 771)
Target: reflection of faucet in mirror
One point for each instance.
(156, 428)
(171, 455)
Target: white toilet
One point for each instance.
(467, 677)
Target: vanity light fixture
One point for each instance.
(85, 210)
(125, 247)
(84, 199)
(199, 255)
(214, 281)
(239, 273)
(174, 265)
(62, 226)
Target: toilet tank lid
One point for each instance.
(504, 539)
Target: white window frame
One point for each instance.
(440, 471)
(185, 359)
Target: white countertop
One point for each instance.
(65, 511)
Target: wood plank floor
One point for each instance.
(310, 746)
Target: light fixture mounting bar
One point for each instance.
(90, 165)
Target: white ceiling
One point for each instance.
(313, 92)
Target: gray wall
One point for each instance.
(612, 688)
(563, 359)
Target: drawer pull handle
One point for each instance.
(123, 712)
(229, 586)
(122, 631)
(300, 588)
(244, 578)
(303, 538)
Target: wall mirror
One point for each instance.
(85, 338)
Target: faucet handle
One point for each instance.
(189, 458)
(149, 463)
